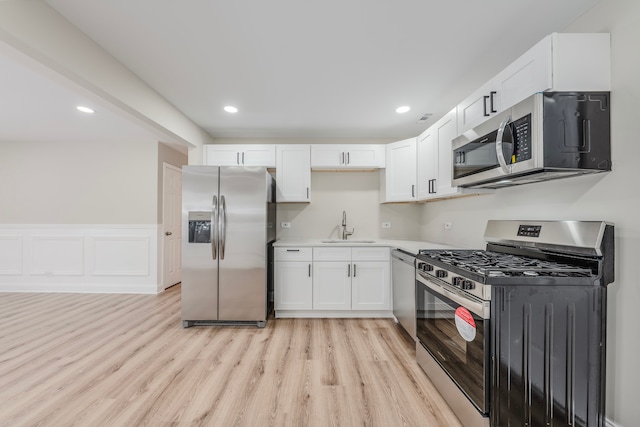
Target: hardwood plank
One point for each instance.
(107, 360)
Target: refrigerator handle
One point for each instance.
(214, 226)
(223, 226)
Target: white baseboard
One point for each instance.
(609, 423)
(283, 314)
(79, 258)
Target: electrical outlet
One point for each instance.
(285, 224)
(448, 226)
(386, 225)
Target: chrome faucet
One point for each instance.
(346, 233)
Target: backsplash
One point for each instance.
(357, 193)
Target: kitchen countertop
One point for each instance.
(410, 246)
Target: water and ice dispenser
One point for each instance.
(199, 227)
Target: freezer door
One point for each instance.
(199, 250)
(243, 245)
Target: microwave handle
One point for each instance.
(499, 152)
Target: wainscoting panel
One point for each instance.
(57, 256)
(79, 258)
(10, 255)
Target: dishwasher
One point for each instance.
(403, 276)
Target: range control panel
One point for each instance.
(529, 230)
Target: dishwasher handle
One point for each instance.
(403, 256)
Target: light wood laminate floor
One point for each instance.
(125, 360)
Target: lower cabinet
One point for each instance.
(293, 279)
(339, 281)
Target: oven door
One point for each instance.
(454, 328)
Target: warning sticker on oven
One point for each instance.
(465, 324)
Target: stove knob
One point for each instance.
(427, 267)
(468, 285)
(458, 282)
(441, 273)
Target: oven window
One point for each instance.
(455, 337)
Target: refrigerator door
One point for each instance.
(243, 244)
(200, 251)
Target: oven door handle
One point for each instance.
(481, 309)
(499, 153)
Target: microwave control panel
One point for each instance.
(521, 129)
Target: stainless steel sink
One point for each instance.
(347, 241)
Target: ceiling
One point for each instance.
(298, 69)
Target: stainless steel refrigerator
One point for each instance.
(228, 225)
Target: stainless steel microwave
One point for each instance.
(549, 135)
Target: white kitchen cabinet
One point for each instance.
(293, 173)
(559, 62)
(445, 130)
(398, 179)
(293, 280)
(351, 156)
(427, 173)
(356, 278)
(240, 155)
(332, 285)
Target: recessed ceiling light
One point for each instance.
(403, 109)
(85, 109)
(230, 109)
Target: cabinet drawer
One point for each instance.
(366, 253)
(330, 253)
(293, 254)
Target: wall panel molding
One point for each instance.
(85, 258)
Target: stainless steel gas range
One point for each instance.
(515, 334)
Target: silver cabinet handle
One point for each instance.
(168, 233)
(499, 152)
(413, 191)
(342, 158)
(348, 160)
(214, 226)
(293, 250)
(349, 270)
(354, 270)
(223, 226)
(309, 270)
(307, 192)
(237, 158)
(243, 157)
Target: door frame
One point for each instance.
(163, 276)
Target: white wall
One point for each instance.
(612, 197)
(78, 182)
(357, 193)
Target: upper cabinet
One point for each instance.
(293, 173)
(398, 179)
(240, 155)
(352, 156)
(559, 62)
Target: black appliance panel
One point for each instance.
(548, 356)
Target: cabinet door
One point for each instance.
(400, 173)
(445, 130)
(427, 173)
(364, 156)
(258, 155)
(371, 286)
(478, 107)
(525, 76)
(222, 155)
(293, 173)
(327, 156)
(331, 285)
(293, 286)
